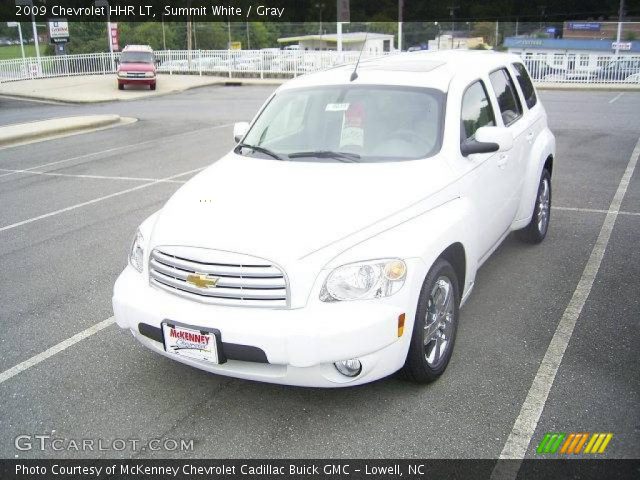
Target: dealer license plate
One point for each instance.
(190, 342)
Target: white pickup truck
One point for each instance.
(338, 240)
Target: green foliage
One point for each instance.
(13, 51)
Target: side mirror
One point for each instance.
(240, 129)
(488, 140)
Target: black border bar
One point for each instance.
(582, 469)
(307, 10)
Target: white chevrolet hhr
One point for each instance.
(338, 240)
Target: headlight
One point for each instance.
(122, 74)
(149, 74)
(364, 280)
(136, 255)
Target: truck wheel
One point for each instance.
(435, 325)
(539, 224)
(120, 86)
(152, 86)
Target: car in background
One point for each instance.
(137, 66)
(623, 69)
(337, 241)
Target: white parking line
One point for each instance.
(36, 359)
(96, 177)
(616, 97)
(593, 210)
(116, 149)
(525, 425)
(96, 200)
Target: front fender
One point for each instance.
(424, 236)
(543, 148)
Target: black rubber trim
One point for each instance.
(226, 351)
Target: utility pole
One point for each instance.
(495, 43)
(452, 12)
(248, 41)
(620, 16)
(164, 39)
(105, 4)
(400, 8)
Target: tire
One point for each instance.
(152, 86)
(538, 227)
(120, 86)
(423, 364)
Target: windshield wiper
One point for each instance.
(256, 148)
(342, 156)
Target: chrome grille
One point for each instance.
(241, 280)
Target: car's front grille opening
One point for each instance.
(236, 284)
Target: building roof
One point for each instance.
(352, 37)
(566, 44)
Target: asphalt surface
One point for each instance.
(58, 272)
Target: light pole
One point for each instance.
(29, 3)
(438, 25)
(17, 24)
(105, 3)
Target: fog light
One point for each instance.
(349, 368)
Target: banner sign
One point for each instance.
(114, 36)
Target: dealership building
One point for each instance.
(583, 46)
(372, 43)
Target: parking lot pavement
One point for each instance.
(67, 239)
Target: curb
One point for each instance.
(24, 132)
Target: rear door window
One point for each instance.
(525, 85)
(508, 100)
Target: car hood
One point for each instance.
(283, 211)
(136, 67)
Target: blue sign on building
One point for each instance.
(551, 30)
(590, 26)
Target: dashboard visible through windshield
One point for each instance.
(352, 123)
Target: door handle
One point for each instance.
(530, 137)
(502, 160)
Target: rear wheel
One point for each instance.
(435, 325)
(537, 229)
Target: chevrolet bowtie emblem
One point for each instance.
(202, 281)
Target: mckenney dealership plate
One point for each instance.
(190, 342)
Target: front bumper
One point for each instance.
(136, 81)
(299, 346)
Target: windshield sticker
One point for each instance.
(353, 126)
(336, 107)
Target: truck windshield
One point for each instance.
(352, 123)
(136, 57)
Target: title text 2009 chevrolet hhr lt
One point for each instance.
(338, 240)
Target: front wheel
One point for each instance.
(435, 325)
(537, 229)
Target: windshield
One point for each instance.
(349, 123)
(136, 57)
